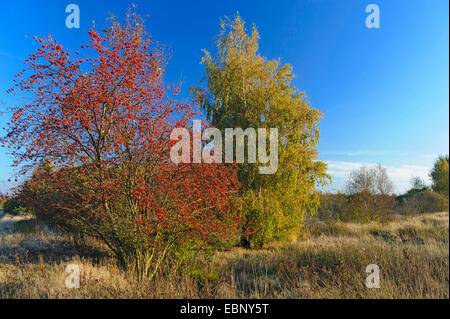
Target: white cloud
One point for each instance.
(358, 153)
(368, 153)
(6, 54)
(400, 175)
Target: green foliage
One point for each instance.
(361, 207)
(440, 176)
(366, 207)
(16, 207)
(418, 185)
(422, 202)
(246, 90)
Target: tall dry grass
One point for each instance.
(412, 253)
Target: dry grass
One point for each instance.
(329, 262)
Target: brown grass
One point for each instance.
(328, 262)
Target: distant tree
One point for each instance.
(383, 185)
(369, 194)
(3, 198)
(418, 185)
(360, 181)
(440, 175)
(369, 180)
(417, 182)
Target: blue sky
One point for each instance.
(384, 92)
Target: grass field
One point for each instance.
(412, 253)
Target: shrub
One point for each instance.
(423, 202)
(164, 223)
(3, 198)
(368, 198)
(361, 207)
(15, 206)
(332, 207)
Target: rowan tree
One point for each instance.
(103, 116)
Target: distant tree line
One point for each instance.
(368, 195)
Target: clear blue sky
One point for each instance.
(384, 92)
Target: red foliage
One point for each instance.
(104, 121)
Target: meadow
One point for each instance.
(96, 148)
(328, 261)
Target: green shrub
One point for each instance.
(14, 206)
(423, 202)
(361, 207)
